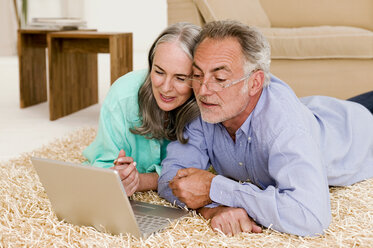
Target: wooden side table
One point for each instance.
(32, 48)
(72, 56)
(73, 67)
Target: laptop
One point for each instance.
(91, 196)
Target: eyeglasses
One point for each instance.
(216, 86)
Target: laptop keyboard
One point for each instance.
(151, 223)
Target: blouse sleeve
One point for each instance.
(109, 140)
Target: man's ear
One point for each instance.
(257, 82)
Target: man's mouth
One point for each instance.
(166, 98)
(208, 104)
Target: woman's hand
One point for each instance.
(128, 173)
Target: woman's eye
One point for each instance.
(159, 72)
(196, 76)
(181, 79)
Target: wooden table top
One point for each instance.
(45, 31)
(85, 34)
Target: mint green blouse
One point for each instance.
(119, 113)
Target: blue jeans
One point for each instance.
(365, 99)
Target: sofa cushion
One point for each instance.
(309, 13)
(249, 12)
(320, 42)
(183, 11)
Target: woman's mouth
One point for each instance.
(166, 98)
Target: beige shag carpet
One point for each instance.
(27, 220)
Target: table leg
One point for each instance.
(32, 69)
(120, 55)
(73, 80)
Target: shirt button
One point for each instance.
(249, 139)
(240, 163)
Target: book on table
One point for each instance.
(58, 23)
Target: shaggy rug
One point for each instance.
(27, 219)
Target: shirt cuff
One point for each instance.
(212, 205)
(154, 168)
(221, 191)
(101, 164)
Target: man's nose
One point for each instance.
(204, 90)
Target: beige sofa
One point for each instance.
(319, 47)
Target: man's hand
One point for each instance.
(128, 173)
(192, 186)
(230, 220)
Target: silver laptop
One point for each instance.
(91, 196)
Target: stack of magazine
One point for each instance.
(57, 23)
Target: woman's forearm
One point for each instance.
(148, 181)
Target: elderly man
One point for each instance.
(274, 154)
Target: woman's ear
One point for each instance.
(257, 82)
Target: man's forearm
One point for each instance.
(207, 213)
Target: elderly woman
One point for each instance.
(145, 110)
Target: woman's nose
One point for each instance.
(167, 84)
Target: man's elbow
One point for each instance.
(316, 228)
(311, 226)
(302, 222)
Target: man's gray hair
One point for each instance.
(255, 46)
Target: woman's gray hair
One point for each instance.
(154, 124)
(255, 46)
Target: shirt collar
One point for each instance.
(262, 99)
(245, 127)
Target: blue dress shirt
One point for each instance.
(285, 155)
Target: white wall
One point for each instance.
(8, 28)
(144, 18)
(43, 8)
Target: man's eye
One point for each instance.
(220, 80)
(196, 76)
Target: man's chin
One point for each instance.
(210, 118)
